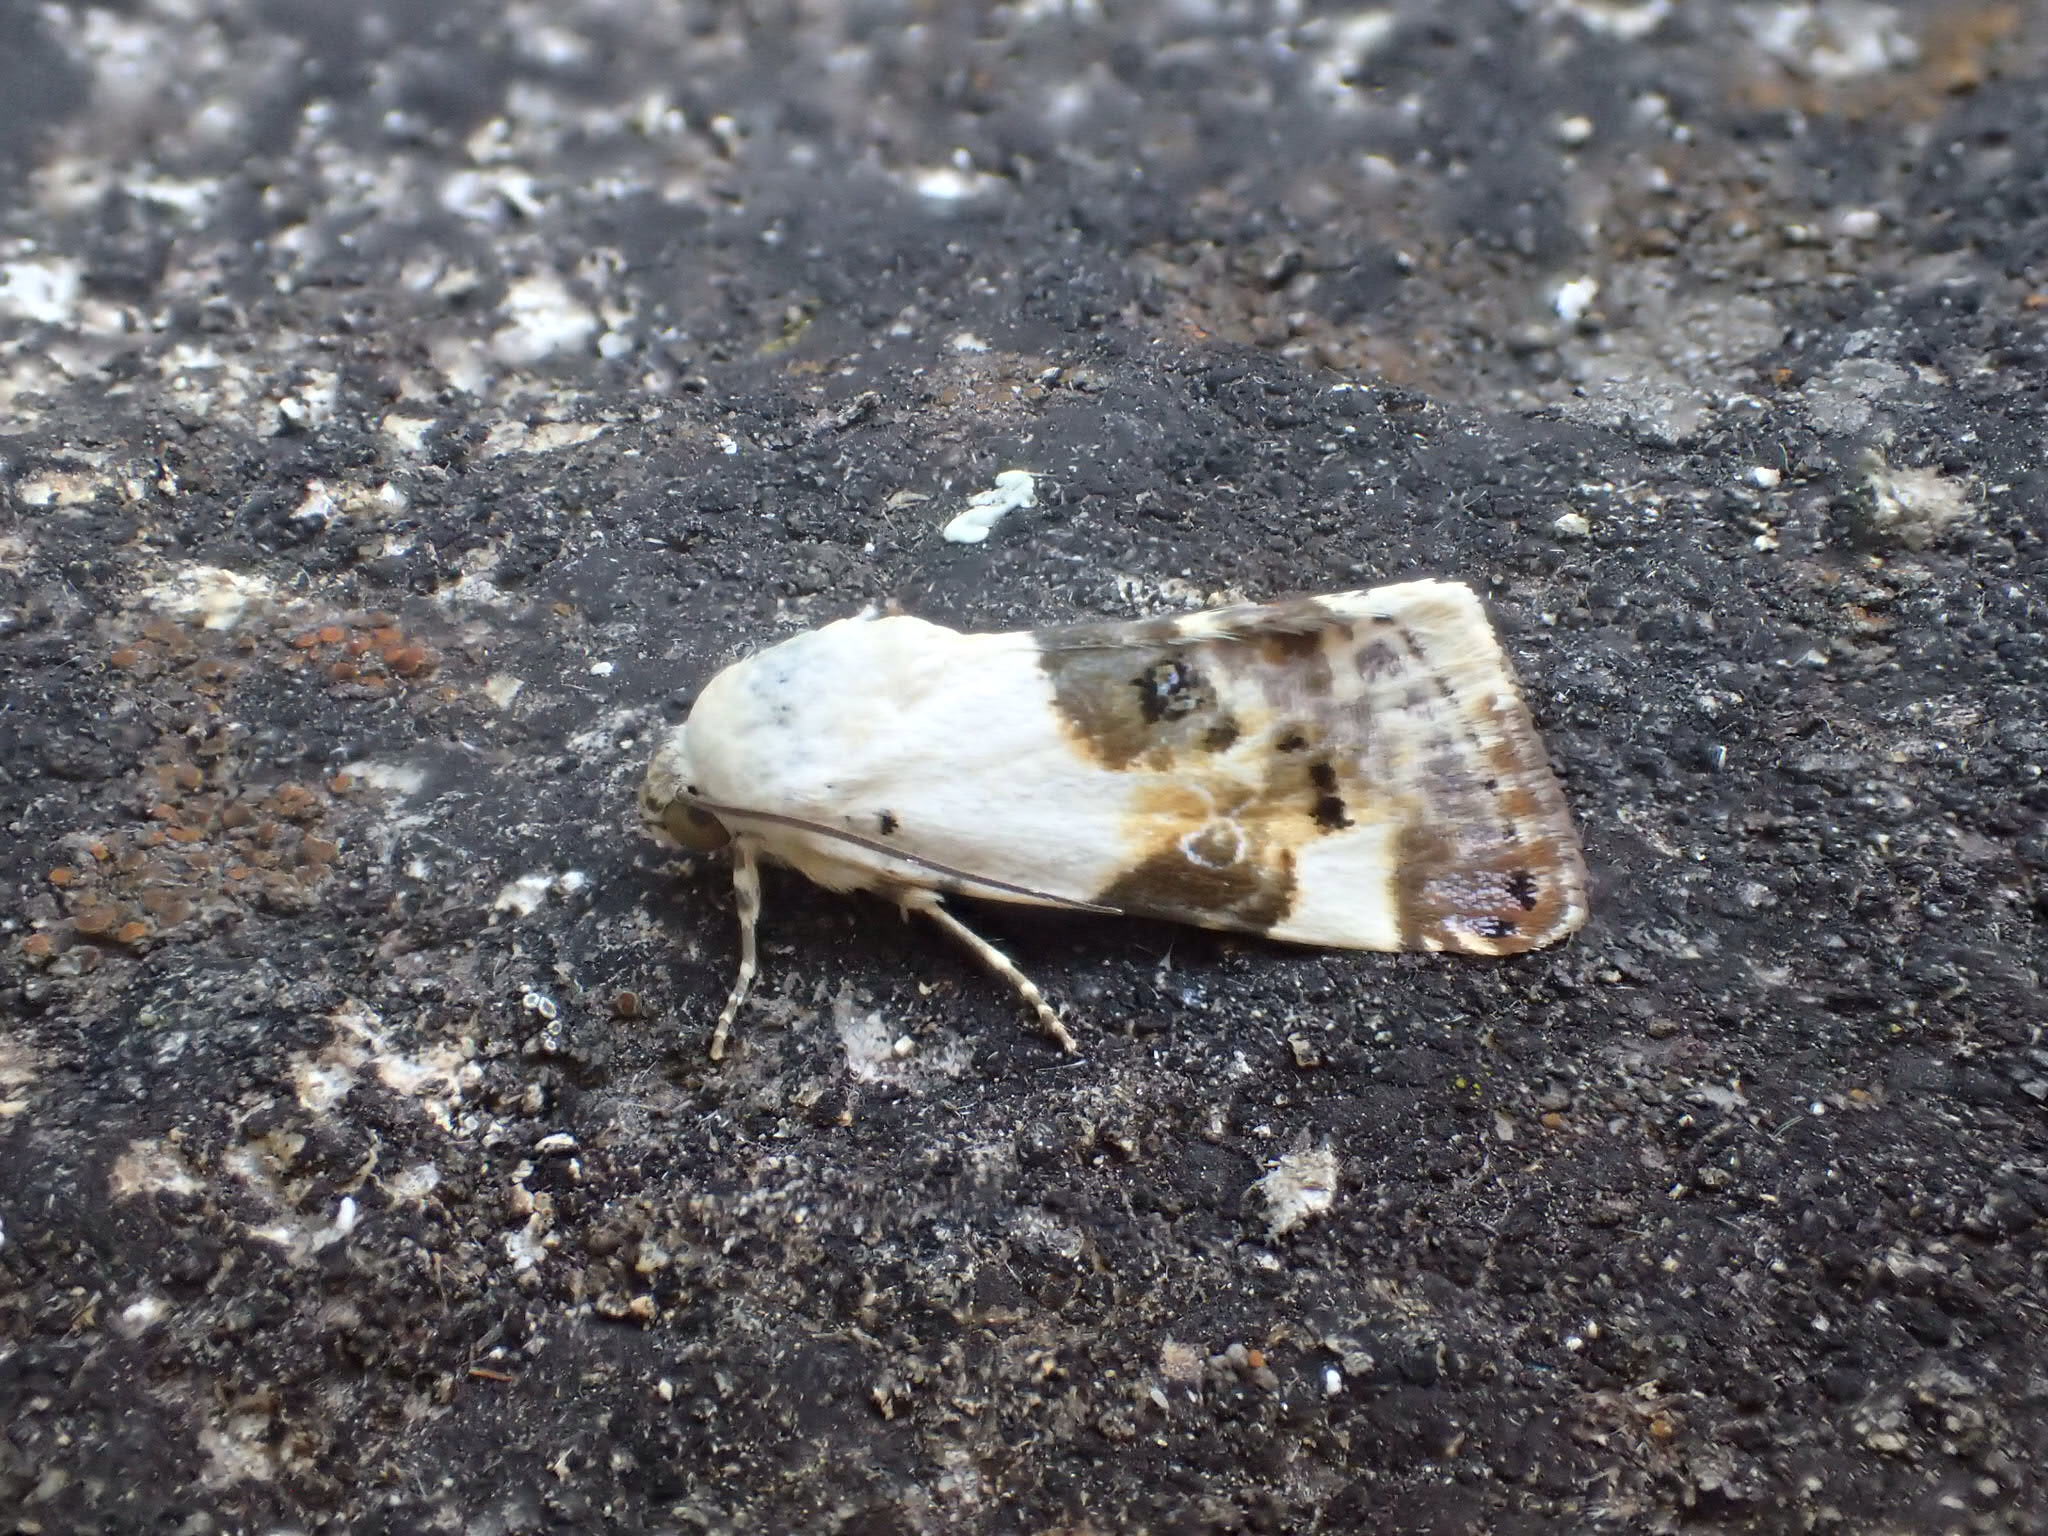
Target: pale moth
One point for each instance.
(1356, 771)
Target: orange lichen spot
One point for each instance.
(131, 933)
(187, 776)
(629, 1005)
(1256, 1359)
(385, 634)
(96, 919)
(39, 946)
(343, 671)
(239, 871)
(342, 783)
(295, 801)
(167, 906)
(2035, 301)
(62, 876)
(408, 660)
(332, 634)
(187, 834)
(125, 657)
(100, 851)
(359, 645)
(318, 850)
(305, 642)
(1662, 1427)
(236, 816)
(1553, 1121)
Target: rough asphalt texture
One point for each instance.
(403, 408)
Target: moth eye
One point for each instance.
(698, 830)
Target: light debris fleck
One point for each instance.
(1014, 489)
(1574, 297)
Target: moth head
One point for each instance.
(670, 807)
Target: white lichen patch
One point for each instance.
(312, 405)
(237, 1450)
(151, 1168)
(1341, 47)
(41, 290)
(1917, 507)
(435, 1078)
(1298, 1187)
(141, 1315)
(501, 688)
(1629, 20)
(956, 183)
(414, 1184)
(1573, 298)
(1014, 489)
(523, 896)
(18, 1070)
(400, 779)
(211, 596)
(541, 437)
(542, 318)
(409, 433)
(62, 488)
(1832, 40)
(876, 1052)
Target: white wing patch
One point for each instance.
(1356, 771)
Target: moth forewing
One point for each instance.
(1356, 771)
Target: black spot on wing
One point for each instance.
(1138, 706)
(1169, 690)
(1330, 812)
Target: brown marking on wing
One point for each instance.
(1495, 870)
(1208, 858)
(1138, 706)
(1261, 730)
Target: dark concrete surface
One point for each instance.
(402, 408)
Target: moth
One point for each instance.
(1355, 771)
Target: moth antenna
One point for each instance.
(998, 962)
(746, 900)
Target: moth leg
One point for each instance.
(996, 961)
(746, 900)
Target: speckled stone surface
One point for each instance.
(402, 408)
